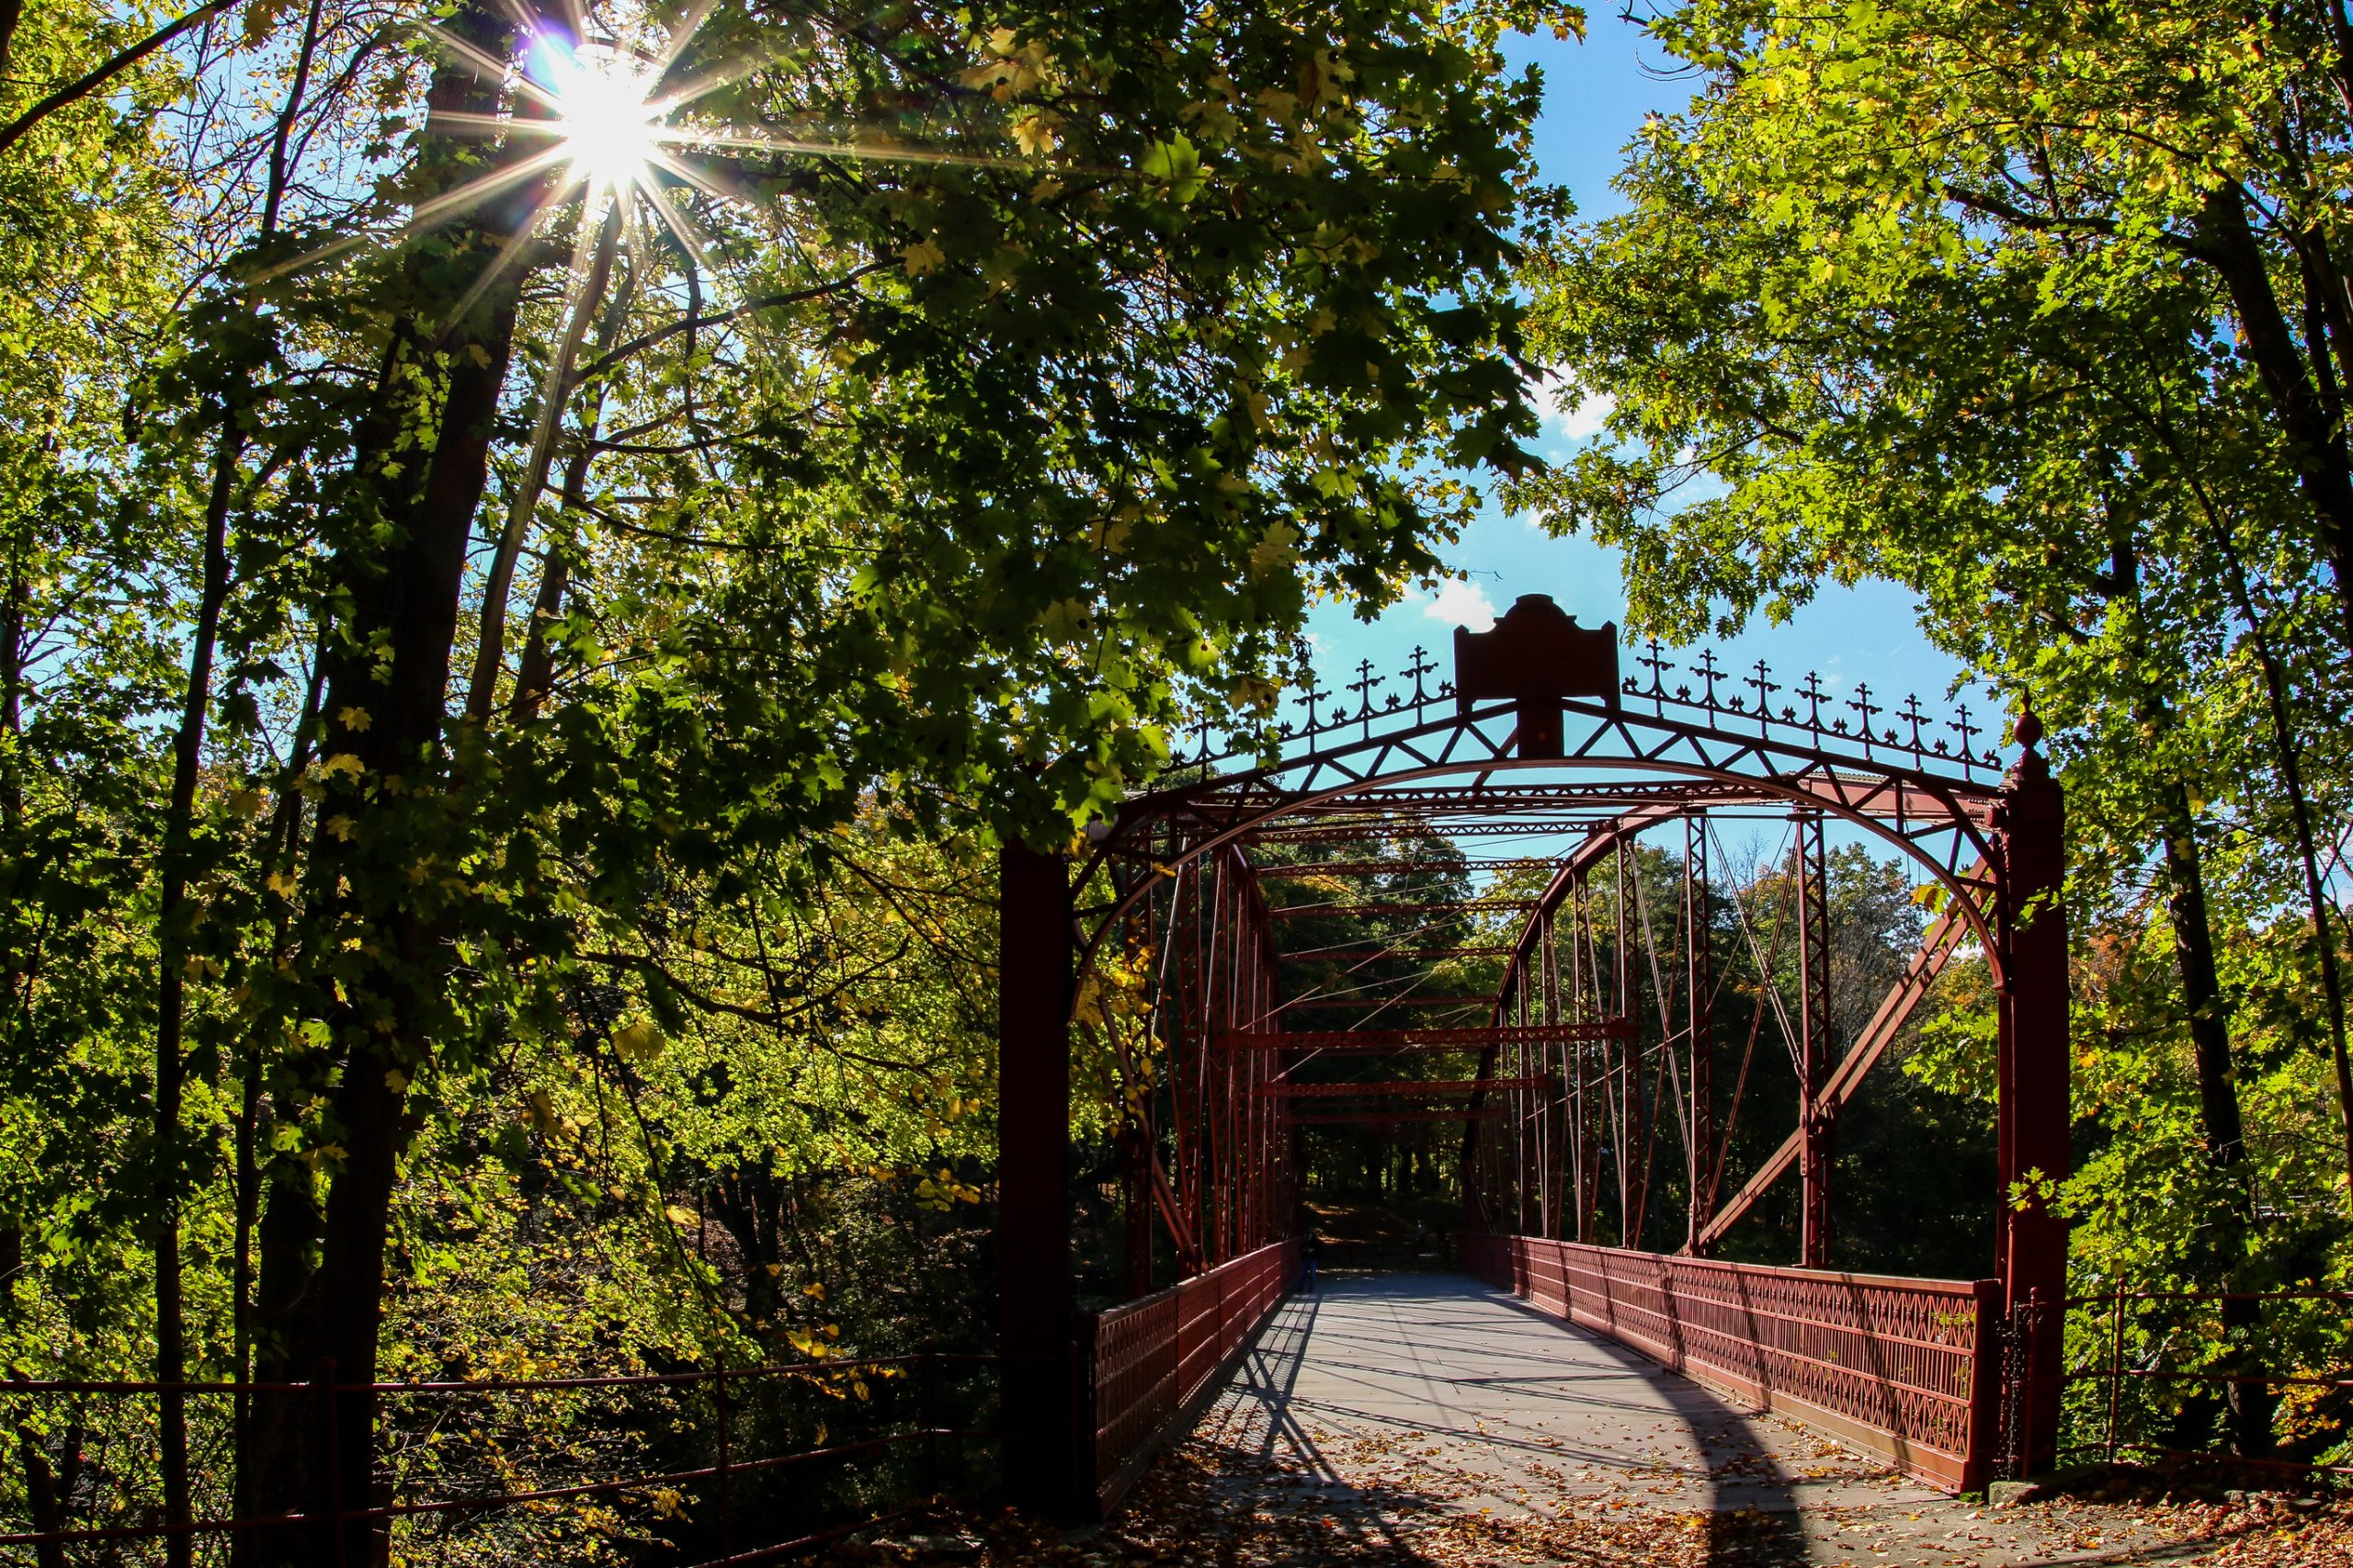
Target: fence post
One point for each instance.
(335, 1458)
(1984, 1388)
(726, 1503)
(2115, 1374)
(930, 1416)
(1082, 1420)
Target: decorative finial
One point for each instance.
(2029, 728)
(2033, 767)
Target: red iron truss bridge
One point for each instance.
(1214, 940)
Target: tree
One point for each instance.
(937, 412)
(1974, 304)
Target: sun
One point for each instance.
(609, 124)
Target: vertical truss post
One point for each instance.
(1575, 1055)
(1140, 1135)
(1552, 1058)
(1217, 998)
(1035, 957)
(1700, 989)
(1815, 1109)
(2033, 1071)
(1522, 1104)
(1189, 1074)
(1629, 1100)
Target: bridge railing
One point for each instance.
(1906, 1369)
(1151, 1358)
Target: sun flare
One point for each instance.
(607, 119)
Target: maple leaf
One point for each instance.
(1275, 551)
(640, 1040)
(1175, 163)
(1038, 134)
(923, 256)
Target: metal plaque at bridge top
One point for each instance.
(1536, 655)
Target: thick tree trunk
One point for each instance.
(2251, 1405)
(387, 676)
(278, 1445)
(2323, 471)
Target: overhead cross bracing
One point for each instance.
(1418, 1088)
(1387, 948)
(1516, 907)
(1278, 870)
(1461, 906)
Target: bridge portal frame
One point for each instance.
(1995, 847)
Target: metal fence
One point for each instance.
(909, 1427)
(1902, 1368)
(2151, 1374)
(1150, 1359)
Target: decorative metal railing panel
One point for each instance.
(1903, 1369)
(1149, 1358)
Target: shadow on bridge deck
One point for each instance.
(1415, 1418)
(1462, 1396)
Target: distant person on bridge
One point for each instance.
(1309, 1251)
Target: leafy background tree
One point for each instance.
(512, 678)
(2037, 313)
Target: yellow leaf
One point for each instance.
(246, 803)
(1037, 135)
(923, 256)
(353, 717)
(342, 762)
(640, 1040)
(340, 826)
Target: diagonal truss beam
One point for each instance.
(1845, 1081)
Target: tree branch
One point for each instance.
(605, 362)
(74, 91)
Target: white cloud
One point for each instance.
(1570, 414)
(1460, 604)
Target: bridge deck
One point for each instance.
(1429, 1417)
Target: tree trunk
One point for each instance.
(2228, 244)
(387, 676)
(171, 999)
(2251, 1405)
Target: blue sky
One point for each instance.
(1596, 95)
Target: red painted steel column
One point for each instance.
(2035, 1069)
(1042, 1456)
